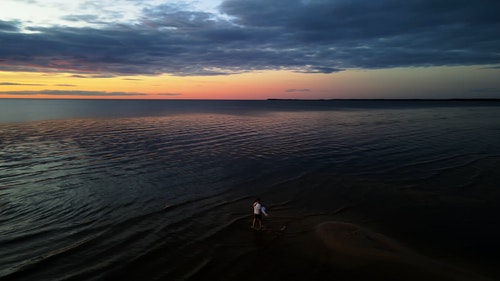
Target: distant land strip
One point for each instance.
(455, 99)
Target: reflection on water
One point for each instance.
(124, 196)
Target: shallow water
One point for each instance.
(163, 190)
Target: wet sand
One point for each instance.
(350, 246)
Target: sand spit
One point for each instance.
(354, 248)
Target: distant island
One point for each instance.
(454, 99)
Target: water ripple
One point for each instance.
(108, 194)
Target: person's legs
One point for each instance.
(257, 217)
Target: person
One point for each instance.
(258, 210)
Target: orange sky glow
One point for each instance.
(255, 85)
(436, 82)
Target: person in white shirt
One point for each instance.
(258, 210)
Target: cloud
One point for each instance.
(313, 36)
(84, 18)
(169, 94)
(93, 75)
(9, 26)
(297, 90)
(65, 85)
(19, 84)
(73, 93)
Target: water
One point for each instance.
(162, 190)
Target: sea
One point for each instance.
(163, 189)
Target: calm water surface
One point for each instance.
(162, 190)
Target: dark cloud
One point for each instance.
(297, 90)
(93, 75)
(72, 93)
(309, 36)
(169, 94)
(19, 84)
(9, 26)
(65, 85)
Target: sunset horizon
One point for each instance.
(248, 50)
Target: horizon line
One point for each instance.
(268, 99)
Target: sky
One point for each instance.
(249, 49)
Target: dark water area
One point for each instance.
(162, 190)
